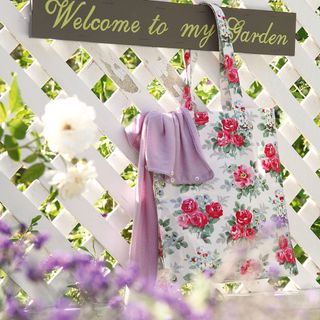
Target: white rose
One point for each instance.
(74, 181)
(69, 125)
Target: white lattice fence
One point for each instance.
(50, 62)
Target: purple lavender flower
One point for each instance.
(63, 311)
(136, 311)
(4, 228)
(34, 273)
(14, 310)
(126, 276)
(39, 239)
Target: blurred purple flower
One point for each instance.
(22, 227)
(4, 228)
(136, 311)
(63, 311)
(115, 302)
(39, 239)
(126, 276)
(14, 310)
(34, 273)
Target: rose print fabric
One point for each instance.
(243, 205)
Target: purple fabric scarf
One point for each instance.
(168, 143)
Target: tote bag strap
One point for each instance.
(231, 94)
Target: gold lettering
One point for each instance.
(135, 27)
(64, 11)
(120, 24)
(103, 27)
(160, 29)
(195, 30)
(77, 23)
(85, 26)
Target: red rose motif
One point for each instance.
(214, 210)
(189, 206)
(280, 256)
(233, 75)
(187, 104)
(244, 217)
(266, 164)
(275, 164)
(186, 91)
(228, 62)
(184, 220)
(229, 124)
(250, 266)
(199, 219)
(289, 255)
(250, 233)
(283, 242)
(201, 118)
(187, 56)
(237, 140)
(269, 150)
(237, 231)
(223, 138)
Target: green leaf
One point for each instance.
(18, 128)
(261, 126)
(33, 172)
(1, 132)
(31, 158)
(3, 113)
(12, 147)
(35, 220)
(15, 101)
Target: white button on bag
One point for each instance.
(197, 178)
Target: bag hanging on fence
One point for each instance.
(235, 225)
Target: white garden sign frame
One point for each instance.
(132, 88)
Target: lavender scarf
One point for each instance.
(168, 143)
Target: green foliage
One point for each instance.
(126, 233)
(177, 61)
(130, 59)
(254, 89)
(22, 57)
(19, 3)
(104, 88)
(130, 174)
(300, 254)
(302, 35)
(128, 114)
(105, 204)
(299, 200)
(78, 60)
(206, 90)
(301, 145)
(105, 146)
(279, 6)
(300, 89)
(277, 63)
(156, 89)
(51, 88)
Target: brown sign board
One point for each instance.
(162, 24)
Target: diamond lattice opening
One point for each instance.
(156, 89)
(51, 88)
(206, 90)
(22, 56)
(104, 88)
(277, 63)
(300, 89)
(130, 59)
(254, 89)
(78, 60)
(301, 145)
(129, 114)
(299, 200)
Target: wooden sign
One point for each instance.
(162, 24)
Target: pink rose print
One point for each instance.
(233, 75)
(250, 266)
(237, 140)
(243, 176)
(289, 254)
(223, 138)
(244, 217)
(201, 118)
(275, 164)
(280, 257)
(285, 254)
(214, 210)
(237, 231)
(184, 220)
(250, 233)
(189, 206)
(266, 164)
(271, 162)
(229, 124)
(269, 150)
(283, 242)
(199, 219)
(228, 62)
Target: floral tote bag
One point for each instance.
(243, 208)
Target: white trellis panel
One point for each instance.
(50, 62)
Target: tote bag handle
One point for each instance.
(231, 94)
